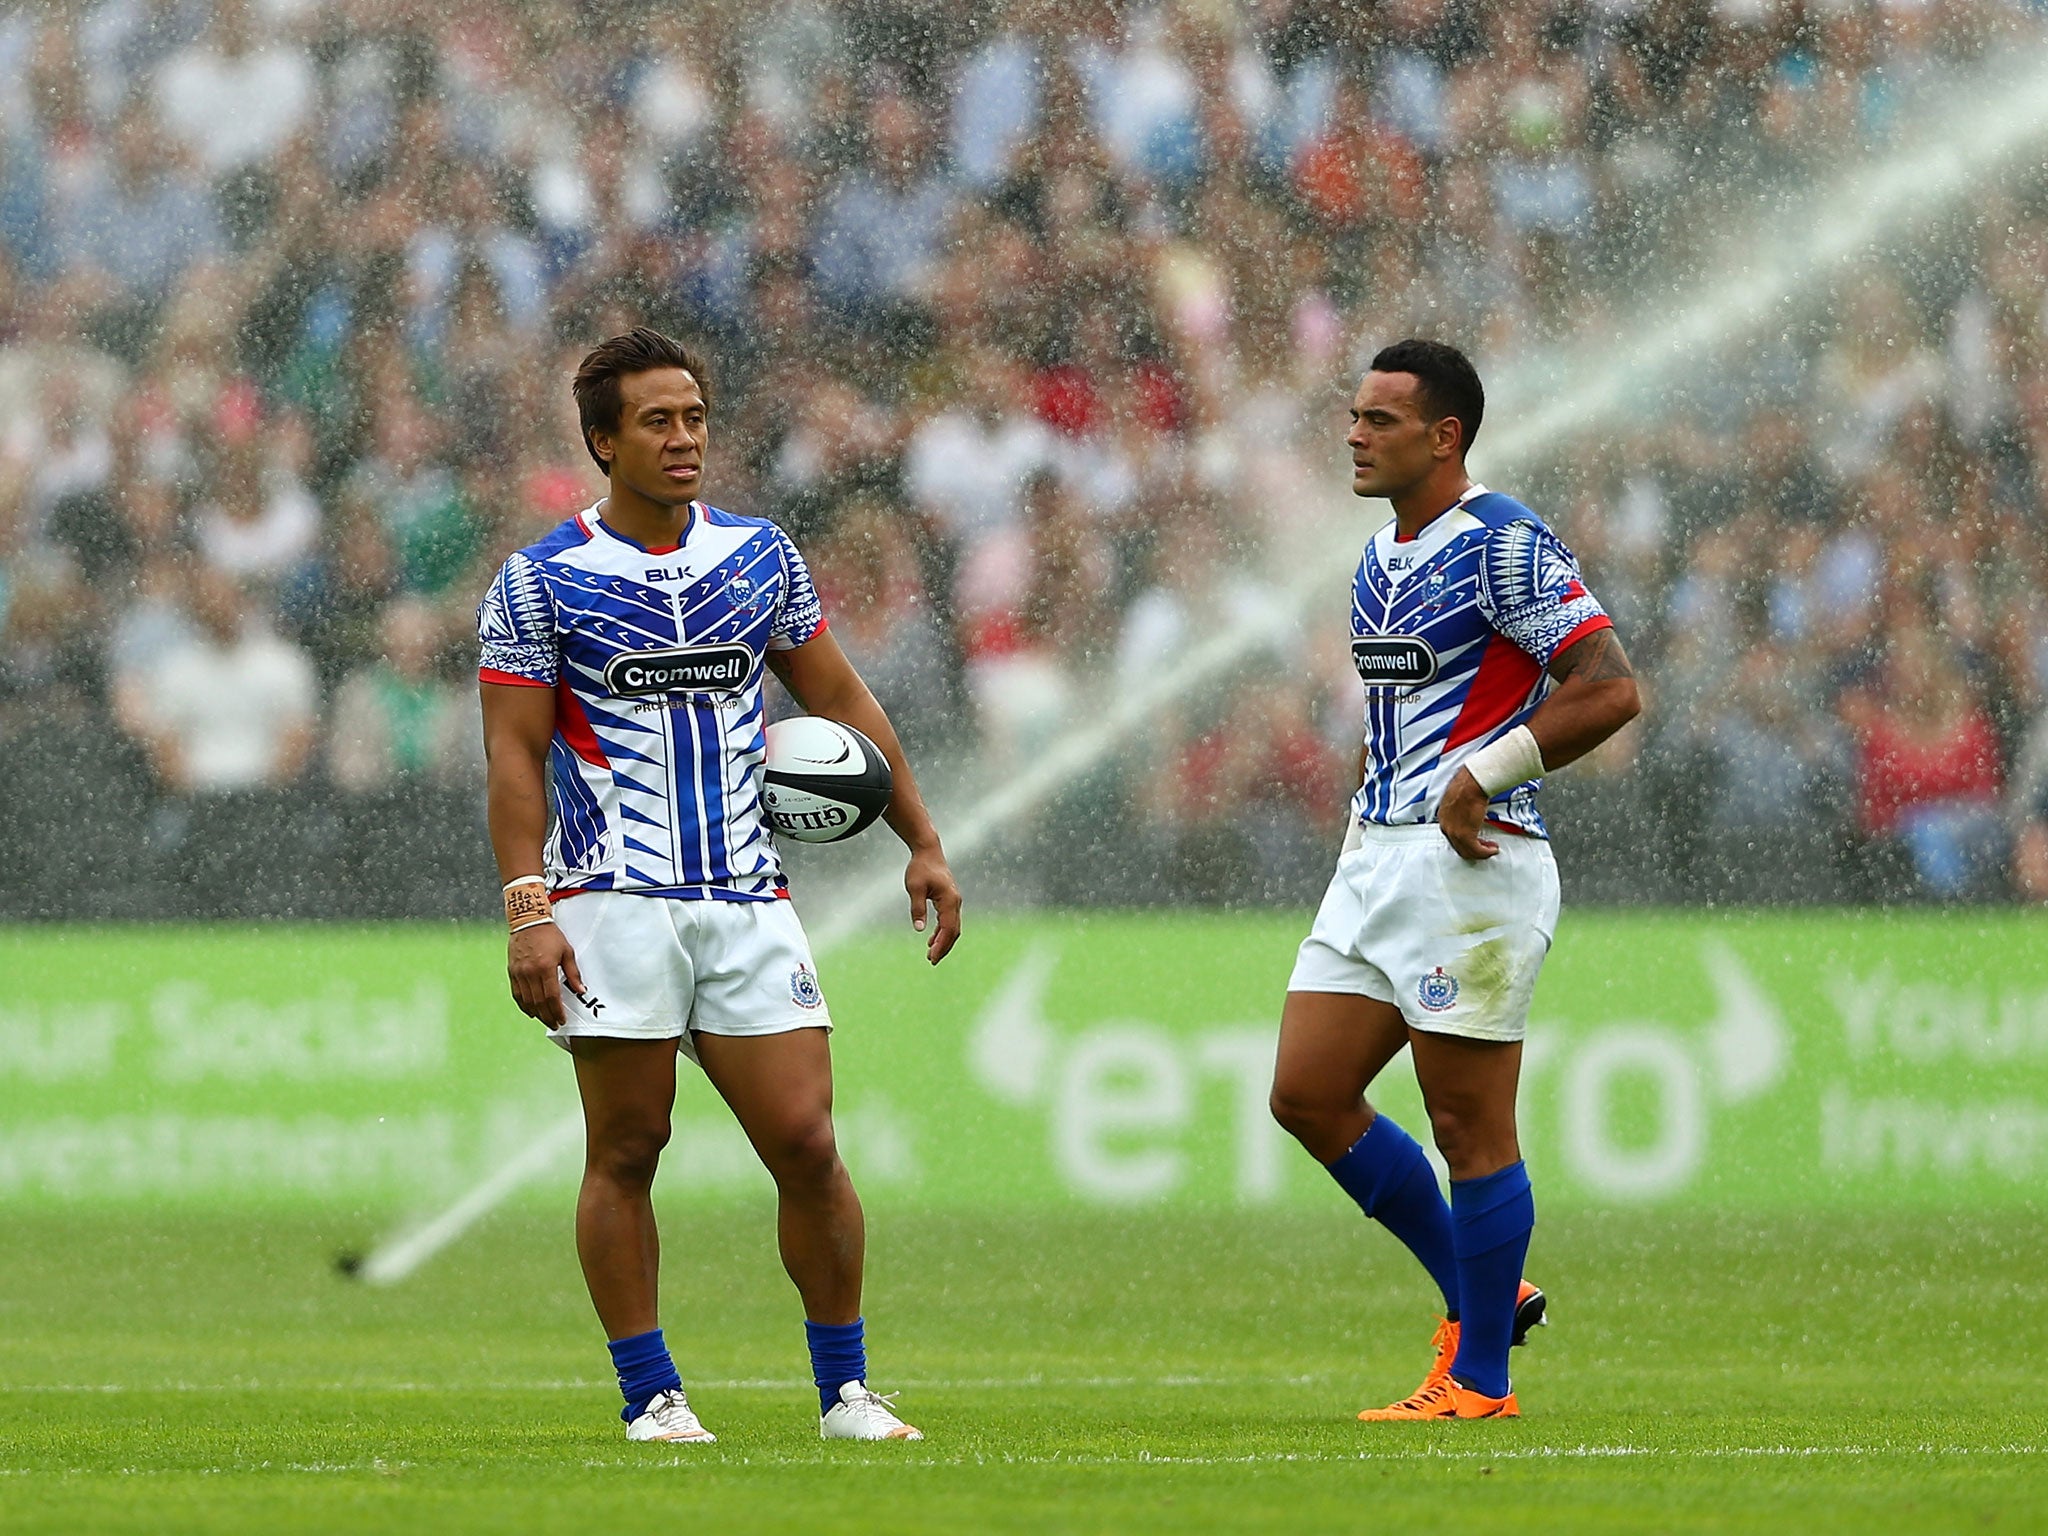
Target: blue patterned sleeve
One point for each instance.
(799, 615)
(1531, 591)
(515, 628)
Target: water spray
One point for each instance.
(1994, 119)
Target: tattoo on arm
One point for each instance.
(778, 663)
(1594, 659)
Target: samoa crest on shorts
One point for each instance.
(803, 988)
(1437, 991)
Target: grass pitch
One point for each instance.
(1112, 1374)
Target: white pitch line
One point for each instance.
(912, 1458)
(382, 1467)
(1350, 1458)
(695, 1383)
(2003, 117)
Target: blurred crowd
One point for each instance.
(1034, 322)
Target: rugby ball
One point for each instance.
(823, 781)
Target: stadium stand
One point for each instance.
(1032, 322)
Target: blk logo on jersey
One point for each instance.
(685, 669)
(1394, 661)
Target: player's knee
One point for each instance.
(1299, 1112)
(1473, 1141)
(1451, 1127)
(806, 1153)
(629, 1155)
(1288, 1111)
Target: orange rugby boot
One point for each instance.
(1446, 1399)
(1531, 1309)
(1467, 1404)
(1431, 1400)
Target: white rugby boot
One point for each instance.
(863, 1415)
(668, 1417)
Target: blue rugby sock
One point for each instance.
(1491, 1219)
(644, 1369)
(839, 1354)
(1386, 1173)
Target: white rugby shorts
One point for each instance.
(656, 968)
(1455, 945)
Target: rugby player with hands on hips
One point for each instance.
(623, 658)
(1485, 662)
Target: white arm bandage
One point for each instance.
(1514, 759)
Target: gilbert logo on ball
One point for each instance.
(823, 781)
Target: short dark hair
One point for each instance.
(1450, 384)
(640, 350)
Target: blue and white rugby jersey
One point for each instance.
(1452, 632)
(656, 658)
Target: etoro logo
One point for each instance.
(1123, 1098)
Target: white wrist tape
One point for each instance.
(527, 880)
(527, 904)
(1514, 759)
(1354, 836)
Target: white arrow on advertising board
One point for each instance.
(1010, 1048)
(1746, 1038)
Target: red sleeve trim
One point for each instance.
(509, 679)
(1598, 621)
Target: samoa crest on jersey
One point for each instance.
(656, 660)
(1451, 633)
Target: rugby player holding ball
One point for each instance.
(624, 652)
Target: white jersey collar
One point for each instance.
(1415, 552)
(596, 524)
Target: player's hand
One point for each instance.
(929, 881)
(1463, 818)
(539, 959)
